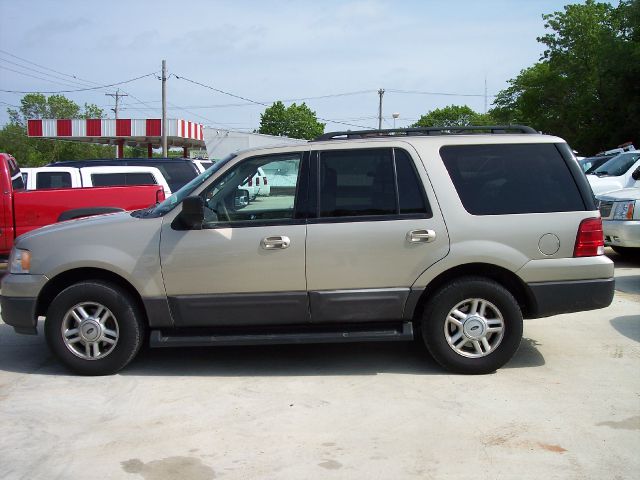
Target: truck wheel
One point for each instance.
(472, 325)
(94, 328)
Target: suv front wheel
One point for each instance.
(94, 328)
(472, 325)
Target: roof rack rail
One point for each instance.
(398, 132)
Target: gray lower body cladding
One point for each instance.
(553, 298)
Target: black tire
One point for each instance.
(496, 297)
(123, 313)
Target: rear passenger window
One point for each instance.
(53, 180)
(140, 178)
(370, 182)
(410, 192)
(509, 179)
(356, 183)
(133, 178)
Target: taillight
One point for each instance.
(251, 182)
(264, 180)
(257, 181)
(160, 196)
(590, 238)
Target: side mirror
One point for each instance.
(636, 174)
(192, 214)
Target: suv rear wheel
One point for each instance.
(472, 325)
(94, 328)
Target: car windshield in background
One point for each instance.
(173, 200)
(591, 163)
(618, 165)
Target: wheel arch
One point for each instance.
(504, 277)
(65, 279)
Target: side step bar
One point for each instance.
(403, 333)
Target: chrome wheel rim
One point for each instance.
(90, 331)
(474, 328)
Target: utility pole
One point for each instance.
(165, 151)
(117, 96)
(485, 94)
(381, 93)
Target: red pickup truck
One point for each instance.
(22, 210)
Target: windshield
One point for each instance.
(177, 197)
(618, 165)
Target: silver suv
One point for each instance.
(454, 236)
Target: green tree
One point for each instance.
(585, 87)
(453, 116)
(37, 105)
(294, 121)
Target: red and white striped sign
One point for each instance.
(122, 127)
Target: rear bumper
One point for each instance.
(553, 298)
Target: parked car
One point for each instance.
(621, 171)
(453, 237)
(589, 164)
(102, 176)
(176, 171)
(23, 210)
(620, 212)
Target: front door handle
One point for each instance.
(271, 243)
(421, 236)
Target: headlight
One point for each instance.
(19, 261)
(624, 210)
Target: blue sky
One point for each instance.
(270, 50)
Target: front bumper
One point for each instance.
(621, 233)
(18, 302)
(553, 298)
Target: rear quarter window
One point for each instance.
(512, 178)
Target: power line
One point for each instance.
(81, 89)
(264, 104)
(447, 94)
(46, 68)
(32, 76)
(67, 82)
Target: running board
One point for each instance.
(403, 333)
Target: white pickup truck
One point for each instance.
(99, 176)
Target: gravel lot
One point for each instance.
(567, 406)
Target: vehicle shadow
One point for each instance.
(30, 354)
(627, 325)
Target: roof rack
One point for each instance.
(406, 132)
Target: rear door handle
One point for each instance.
(271, 243)
(421, 236)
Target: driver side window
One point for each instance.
(256, 190)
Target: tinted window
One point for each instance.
(107, 179)
(132, 178)
(410, 191)
(140, 178)
(506, 179)
(177, 174)
(17, 181)
(356, 183)
(53, 180)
